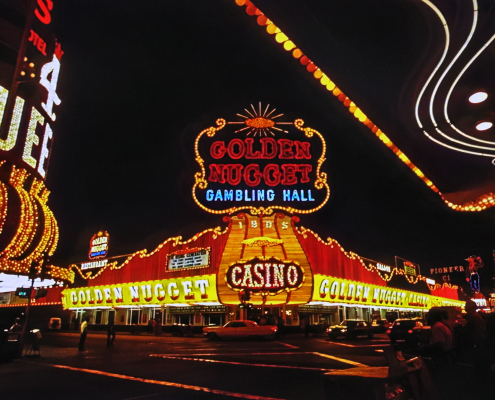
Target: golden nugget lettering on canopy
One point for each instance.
(179, 290)
(336, 290)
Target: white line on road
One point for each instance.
(248, 364)
(341, 359)
(288, 345)
(164, 383)
(181, 356)
(355, 345)
(230, 354)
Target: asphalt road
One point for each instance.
(166, 367)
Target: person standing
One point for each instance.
(110, 332)
(478, 352)
(17, 327)
(82, 338)
(441, 339)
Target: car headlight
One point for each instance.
(344, 330)
(329, 330)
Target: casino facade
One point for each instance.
(260, 177)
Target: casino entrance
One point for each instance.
(268, 315)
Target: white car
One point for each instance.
(238, 329)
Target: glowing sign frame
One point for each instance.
(188, 253)
(201, 181)
(105, 240)
(261, 288)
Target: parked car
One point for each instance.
(240, 329)
(350, 328)
(409, 330)
(380, 325)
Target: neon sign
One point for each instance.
(411, 270)
(98, 246)
(343, 291)
(253, 169)
(178, 290)
(266, 276)
(28, 107)
(94, 264)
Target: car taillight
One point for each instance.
(410, 331)
(389, 331)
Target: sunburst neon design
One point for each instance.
(260, 123)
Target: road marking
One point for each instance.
(341, 360)
(354, 345)
(288, 345)
(231, 354)
(248, 364)
(164, 383)
(226, 348)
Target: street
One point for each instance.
(150, 367)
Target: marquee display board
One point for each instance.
(188, 259)
(260, 164)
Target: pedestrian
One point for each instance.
(475, 324)
(150, 325)
(84, 329)
(441, 341)
(110, 332)
(17, 327)
(478, 352)
(76, 323)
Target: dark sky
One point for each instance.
(139, 81)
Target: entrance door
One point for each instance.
(134, 317)
(98, 317)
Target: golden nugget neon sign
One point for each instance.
(336, 290)
(167, 291)
(260, 173)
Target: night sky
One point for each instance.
(139, 81)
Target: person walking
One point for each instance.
(82, 338)
(110, 332)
